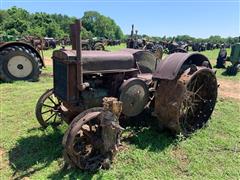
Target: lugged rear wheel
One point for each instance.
(185, 104)
(19, 63)
(198, 101)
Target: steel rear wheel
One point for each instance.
(199, 101)
(48, 110)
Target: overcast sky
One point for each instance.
(154, 17)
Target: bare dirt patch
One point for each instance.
(229, 89)
(48, 61)
(47, 75)
(3, 162)
(182, 159)
(1, 152)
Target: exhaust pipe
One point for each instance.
(77, 45)
(132, 31)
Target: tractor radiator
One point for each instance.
(64, 79)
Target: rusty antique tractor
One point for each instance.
(94, 90)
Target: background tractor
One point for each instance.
(134, 42)
(40, 43)
(173, 47)
(93, 44)
(94, 91)
(19, 61)
(234, 59)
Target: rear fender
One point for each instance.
(9, 44)
(170, 67)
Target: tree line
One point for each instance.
(19, 22)
(186, 38)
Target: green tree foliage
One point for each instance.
(187, 38)
(101, 26)
(86, 34)
(15, 21)
(18, 22)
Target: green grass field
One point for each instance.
(27, 151)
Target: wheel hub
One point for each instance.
(19, 66)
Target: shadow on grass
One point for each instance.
(149, 138)
(34, 153)
(71, 174)
(31, 154)
(146, 134)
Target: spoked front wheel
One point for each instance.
(83, 141)
(48, 109)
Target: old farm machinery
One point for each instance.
(19, 61)
(234, 59)
(94, 90)
(91, 44)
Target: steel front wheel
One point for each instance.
(82, 141)
(48, 109)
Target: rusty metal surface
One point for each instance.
(146, 61)
(73, 36)
(168, 98)
(146, 77)
(98, 60)
(135, 95)
(92, 139)
(110, 61)
(169, 68)
(185, 104)
(66, 54)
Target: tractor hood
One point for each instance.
(98, 61)
(102, 61)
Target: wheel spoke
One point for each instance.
(50, 117)
(55, 118)
(195, 82)
(48, 106)
(90, 126)
(86, 132)
(198, 89)
(46, 111)
(52, 100)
